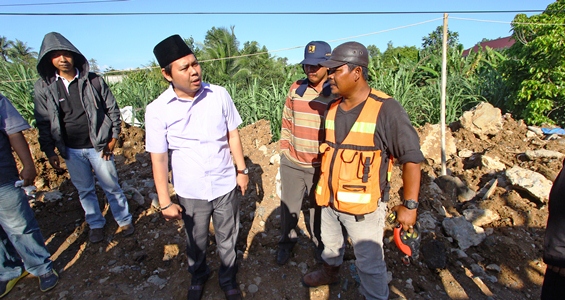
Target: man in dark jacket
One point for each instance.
(77, 114)
(554, 243)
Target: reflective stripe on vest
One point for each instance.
(353, 197)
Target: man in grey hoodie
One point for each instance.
(77, 114)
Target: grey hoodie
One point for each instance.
(101, 108)
(54, 41)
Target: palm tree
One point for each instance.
(218, 45)
(193, 46)
(5, 46)
(21, 52)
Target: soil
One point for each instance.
(151, 264)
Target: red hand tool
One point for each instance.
(407, 242)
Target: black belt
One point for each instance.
(358, 218)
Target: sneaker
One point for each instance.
(96, 235)
(48, 280)
(127, 230)
(7, 286)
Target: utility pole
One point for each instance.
(443, 91)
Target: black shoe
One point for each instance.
(283, 255)
(233, 294)
(96, 235)
(195, 292)
(128, 229)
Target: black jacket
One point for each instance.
(554, 243)
(101, 109)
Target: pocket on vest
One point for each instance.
(357, 187)
(357, 167)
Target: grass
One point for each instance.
(257, 102)
(138, 89)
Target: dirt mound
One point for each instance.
(152, 265)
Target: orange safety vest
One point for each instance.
(350, 171)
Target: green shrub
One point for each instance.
(417, 85)
(258, 102)
(535, 70)
(17, 85)
(138, 89)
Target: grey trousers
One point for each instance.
(367, 239)
(196, 215)
(296, 182)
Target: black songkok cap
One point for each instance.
(171, 49)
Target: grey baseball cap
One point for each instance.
(350, 52)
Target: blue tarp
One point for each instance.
(549, 131)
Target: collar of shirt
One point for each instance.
(65, 81)
(172, 95)
(326, 89)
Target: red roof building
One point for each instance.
(500, 43)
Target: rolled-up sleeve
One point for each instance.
(399, 136)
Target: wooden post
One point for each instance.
(443, 90)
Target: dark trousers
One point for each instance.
(224, 211)
(553, 287)
(296, 182)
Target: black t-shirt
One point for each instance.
(74, 122)
(7, 162)
(394, 133)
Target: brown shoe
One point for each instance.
(96, 235)
(327, 275)
(127, 230)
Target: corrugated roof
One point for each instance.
(500, 43)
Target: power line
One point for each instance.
(504, 22)
(268, 52)
(60, 3)
(329, 41)
(271, 13)
(298, 47)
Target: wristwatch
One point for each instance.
(410, 204)
(244, 171)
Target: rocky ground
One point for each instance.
(477, 243)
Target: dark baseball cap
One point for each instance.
(316, 52)
(350, 52)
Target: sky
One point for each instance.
(127, 41)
